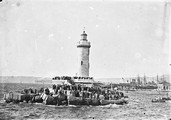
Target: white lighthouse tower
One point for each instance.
(83, 58)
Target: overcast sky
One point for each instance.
(39, 38)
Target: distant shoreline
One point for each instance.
(47, 80)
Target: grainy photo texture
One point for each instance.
(85, 59)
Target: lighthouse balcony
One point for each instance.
(83, 44)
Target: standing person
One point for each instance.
(106, 91)
(52, 90)
(101, 97)
(68, 94)
(90, 95)
(77, 93)
(85, 94)
(96, 96)
(93, 95)
(107, 96)
(121, 94)
(110, 96)
(81, 94)
(60, 90)
(113, 96)
(73, 93)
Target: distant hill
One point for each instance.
(31, 79)
(18, 79)
(110, 80)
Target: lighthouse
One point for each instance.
(83, 55)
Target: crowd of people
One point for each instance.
(70, 78)
(60, 94)
(85, 92)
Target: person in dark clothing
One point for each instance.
(54, 87)
(47, 92)
(77, 93)
(121, 94)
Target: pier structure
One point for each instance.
(83, 57)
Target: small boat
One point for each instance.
(17, 97)
(166, 98)
(83, 101)
(95, 102)
(158, 100)
(121, 101)
(132, 89)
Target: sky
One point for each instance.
(39, 37)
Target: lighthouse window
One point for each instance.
(81, 62)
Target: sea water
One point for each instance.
(139, 107)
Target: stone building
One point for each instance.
(166, 86)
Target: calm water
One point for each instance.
(140, 107)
